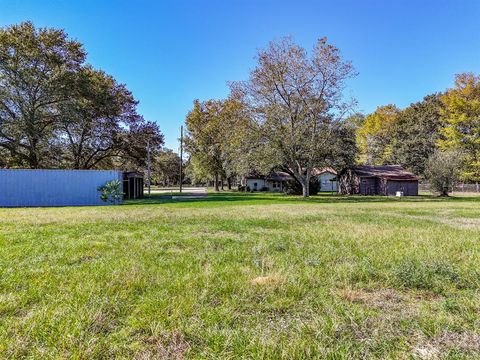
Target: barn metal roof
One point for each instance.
(389, 172)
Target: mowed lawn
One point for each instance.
(243, 276)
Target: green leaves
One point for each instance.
(57, 111)
(461, 115)
(111, 192)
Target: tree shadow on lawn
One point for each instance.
(278, 198)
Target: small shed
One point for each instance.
(132, 185)
(377, 180)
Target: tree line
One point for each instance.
(57, 111)
(292, 115)
(442, 128)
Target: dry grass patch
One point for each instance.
(273, 279)
(462, 223)
(465, 343)
(168, 346)
(385, 299)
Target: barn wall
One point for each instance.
(19, 188)
(409, 188)
(368, 186)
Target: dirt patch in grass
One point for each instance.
(81, 260)
(393, 309)
(466, 342)
(169, 346)
(267, 280)
(385, 298)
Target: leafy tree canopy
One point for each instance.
(296, 100)
(415, 134)
(461, 116)
(58, 111)
(375, 135)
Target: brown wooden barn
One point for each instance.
(377, 180)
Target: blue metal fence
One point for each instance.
(21, 188)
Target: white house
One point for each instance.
(327, 177)
(272, 182)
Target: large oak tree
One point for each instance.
(38, 72)
(58, 111)
(297, 101)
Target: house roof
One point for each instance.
(320, 171)
(273, 176)
(388, 172)
(279, 176)
(284, 176)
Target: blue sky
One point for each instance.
(172, 52)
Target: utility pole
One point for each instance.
(148, 168)
(181, 157)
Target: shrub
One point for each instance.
(111, 192)
(443, 169)
(264, 188)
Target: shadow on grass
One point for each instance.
(277, 198)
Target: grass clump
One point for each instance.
(436, 275)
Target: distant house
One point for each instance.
(275, 181)
(271, 182)
(377, 180)
(327, 178)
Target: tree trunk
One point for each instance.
(221, 183)
(216, 183)
(33, 160)
(445, 190)
(306, 184)
(306, 189)
(229, 183)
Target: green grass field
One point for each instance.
(243, 276)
